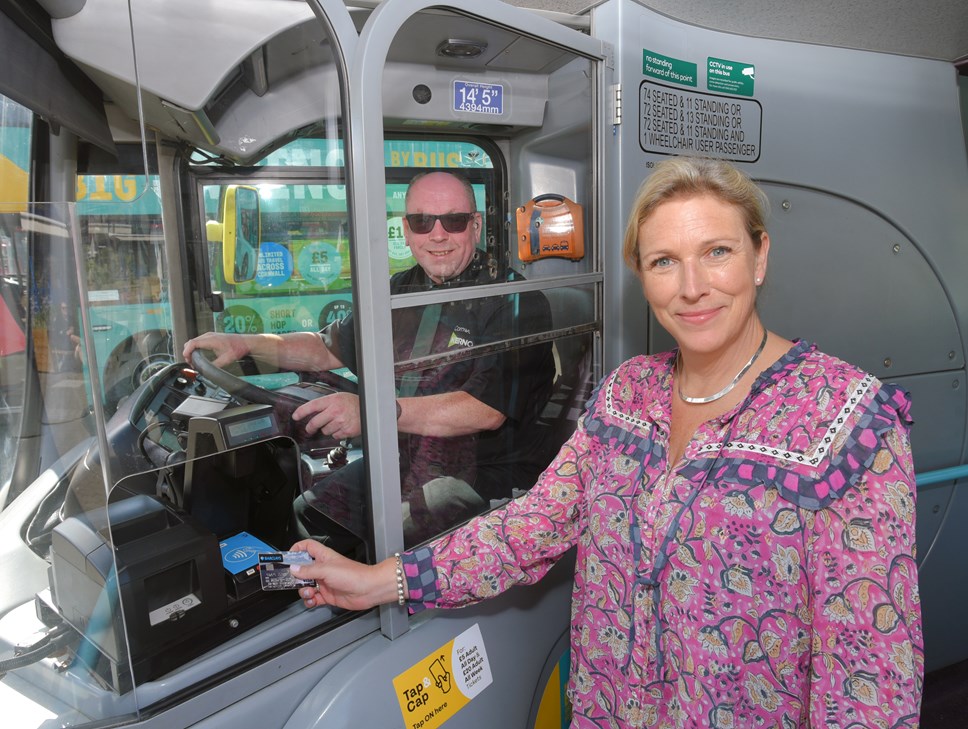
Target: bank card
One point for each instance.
(274, 570)
(286, 557)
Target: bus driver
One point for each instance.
(467, 428)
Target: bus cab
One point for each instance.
(171, 169)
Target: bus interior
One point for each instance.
(169, 169)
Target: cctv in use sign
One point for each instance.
(730, 77)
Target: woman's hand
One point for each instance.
(342, 582)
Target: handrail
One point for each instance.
(942, 474)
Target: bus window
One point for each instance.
(121, 228)
(300, 271)
(42, 359)
(15, 126)
(301, 280)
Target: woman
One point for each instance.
(743, 506)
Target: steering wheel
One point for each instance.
(330, 378)
(285, 400)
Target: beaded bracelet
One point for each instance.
(401, 599)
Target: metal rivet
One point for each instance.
(888, 362)
(786, 205)
(955, 384)
(897, 248)
(951, 355)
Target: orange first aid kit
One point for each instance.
(550, 226)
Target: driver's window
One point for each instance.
(494, 325)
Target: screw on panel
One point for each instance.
(951, 355)
(955, 384)
(421, 93)
(896, 248)
(888, 362)
(786, 205)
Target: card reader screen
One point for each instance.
(241, 431)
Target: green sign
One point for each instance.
(667, 68)
(729, 76)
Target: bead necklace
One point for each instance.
(725, 390)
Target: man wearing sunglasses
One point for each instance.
(468, 425)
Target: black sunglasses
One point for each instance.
(453, 222)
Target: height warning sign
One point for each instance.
(436, 688)
(677, 121)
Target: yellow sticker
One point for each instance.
(436, 688)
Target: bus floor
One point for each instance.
(944, 704)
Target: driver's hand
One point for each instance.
(228, 348)
(336, 415)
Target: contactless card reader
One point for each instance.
(240, 558)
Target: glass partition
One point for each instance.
(129, 477)
(168, 568)
(496, 324)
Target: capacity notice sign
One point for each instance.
(436, 688)
(676, 121)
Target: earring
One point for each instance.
(758, 280)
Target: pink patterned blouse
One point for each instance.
(767, 579)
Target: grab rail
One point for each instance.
(942, 474)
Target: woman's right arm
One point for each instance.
(516, 544)
(343, 582)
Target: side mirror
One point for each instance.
(241, 233)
